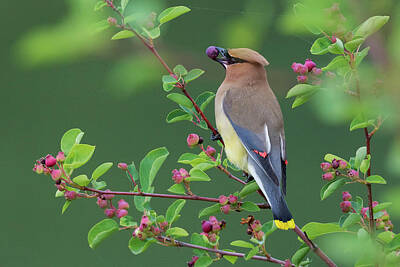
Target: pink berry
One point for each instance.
(70, 195)
(259, 235)
(232, 199)
(345, 206)
(121, 213)
(302, 78)
(193, 140)
(145, 221)
(296, 67)
(333, 39)
(55, 174)
(223, 200)
(303, 69)
(225, 209)
(364, 212)
(206, 226)
(184, 172)
(50, 161)
(327, 176)
(342, 164)
(316, 71)
(38, 168)
(112, 21)
(212, 52)
(102, 203)
(108, 196)
(122, 204)
(309, 64)
(374, 203)
(326, 166)
(353, 173)
(211, 151)
(176, 176)
(109, 212)
(346, 196)
(60, 156)
(123, 166)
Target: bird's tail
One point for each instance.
(282, 217)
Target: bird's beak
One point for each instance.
(221, 55)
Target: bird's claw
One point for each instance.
(216, 137)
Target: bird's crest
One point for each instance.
(248, 55)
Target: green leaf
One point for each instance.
(314, 229)
(101, 25)
(242, 244)
(376, 179)
(101, 231)
(360, 156)
(71, 137)
(382, 206)
(370, 26)
(361, 55)
(99, 185)
(188, 158)
(395, 243)
(127, 221)
(231, 259)
(132, 170)
(65, 206)
(204, 99)
(193, 74)
(357, 204)
(231, 166)
(180, 70)
(353, 218)
(300, 254)
(360, 122)
(81, 180)
(337, 47)
(180, 99)
(153, 33)
(198, 239)
(204, 166)
(99, 5)
(174, 209)
(250, 206)
(354, 44)
(330, 157)
(101, 169)
(337, 63)
(364, 166)
(138, 246)
(251, 253)
(301, 89)
(178, 115)
(124, 34)
(168, 79)
(197, 175)
(168, 87)
(203, 261)
(150, 165)
(177, 189)
(386, 236)
(177, 232)
(248, 189)
(59, 193)
(78, 156)
(124, 3)
(301, 11)
(172, 13)
(209, 210)
(331, 187)
(320, 46)
(268, 228)
(300, 100)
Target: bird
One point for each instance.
(250, 122)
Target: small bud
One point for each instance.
(213, 220)
(212, 238)
(232, 199)
(216, 227)
(326, 166)
(46, 170)
(176, 176)
(70, 195)
(342, 164)
(164, 224)
(374, 203)
(295, 66)
(335, 164)
(112, 21)
(55, 174)
(353, 173)
(50, 161)
(194, 258)
(121, 213)
(346, 196)
(223, 200)
(108, 196)
(123, 166)
(145, 221)
(211, 151)
(60, 156)
(328, 176)
(364, 212)
(256, 225)
(345, 206)
(309, 64)
(192, 140)
(302, 79)
(184, 173)
(206, 226)
(380, 224)
(122, 204)
(333, 39)
(316, 71)
(303, 69)
(259, 235)
(102, 203)
(109, 212)
(38, 168)
(225, 209)
(156, 230)
(385, 216)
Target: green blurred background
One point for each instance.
(57, 74)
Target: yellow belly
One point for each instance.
(234, 149)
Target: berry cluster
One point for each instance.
(306, 71)
(228, 203)
(149, 228)
(212, 228)
(178, 176)
(337, 168)
(254, 227)
(105, 202)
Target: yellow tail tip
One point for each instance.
(285, 225)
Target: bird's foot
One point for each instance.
(249, 179)
(216, 137)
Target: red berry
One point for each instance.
(345, 206)
(109, 212)
(225, 209)
(192, 140)
(50, 161)
(122, 204)
(102, 203)
(70, 195)
(123, 166)
(309, 64)
(206, 226)
(302, 78)
(121, 213)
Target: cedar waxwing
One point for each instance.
(249, 120)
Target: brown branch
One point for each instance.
(194, 197)
(314, 247)
(177, 243)
(369, 186)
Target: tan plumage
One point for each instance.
(249, 119)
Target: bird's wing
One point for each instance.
(257, 120)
